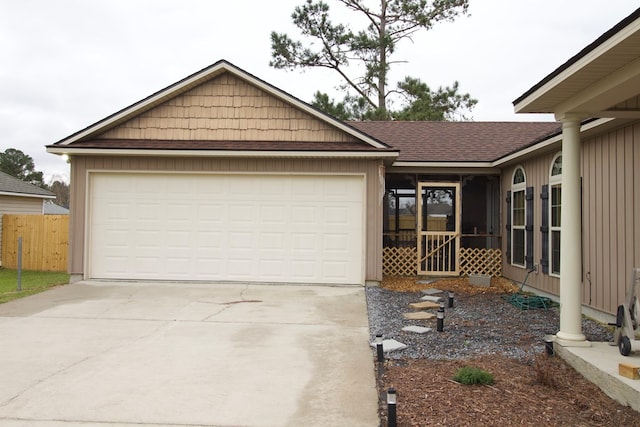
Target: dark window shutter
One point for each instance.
(544, 229)
(509, 226)
(528, 256)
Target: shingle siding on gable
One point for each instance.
(226, 108)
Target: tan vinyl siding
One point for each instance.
(370, 168)
(611, 199)
(610, 223)
(19, 205)
(227, 109)
(631, 103)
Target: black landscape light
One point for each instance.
(391, 407)
(379, 348)
(450, 299)
(440, 317)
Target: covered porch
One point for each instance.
(441, 224)
(598, 86)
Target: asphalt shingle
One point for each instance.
(457, 141)
(10, 184)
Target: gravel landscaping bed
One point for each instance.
(480, 324)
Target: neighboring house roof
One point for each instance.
(11, 186)
(457, 141)
(51, 208)
(595, 80)
(84, 141)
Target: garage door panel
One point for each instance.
(293, 228)
(273, 242)
(334, 269)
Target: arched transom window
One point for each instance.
(518, 217)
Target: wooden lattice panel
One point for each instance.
(400, 261)
(481, 261)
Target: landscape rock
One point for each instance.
(423, 305)
(390, 345)
(419, 315)
(417, 329)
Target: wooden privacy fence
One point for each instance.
(45, 241)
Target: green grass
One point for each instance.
(471, 376)
(33, 282)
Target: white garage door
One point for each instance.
(257, 228)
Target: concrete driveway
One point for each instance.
(165, 354)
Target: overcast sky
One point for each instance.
(65, 64)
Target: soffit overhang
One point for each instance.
(601, 81)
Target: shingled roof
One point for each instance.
(457, 141)
(10, 185)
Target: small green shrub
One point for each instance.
(470, 376)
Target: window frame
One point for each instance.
(555, 182)
(518, 188)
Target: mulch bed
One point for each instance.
(545, 391)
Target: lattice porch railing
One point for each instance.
(400, 261)
(404, 261)
(481, 261)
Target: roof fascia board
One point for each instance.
(223, 153)
(521, 104)
(200, 77)
(444, 164)
(528, 150)
(35, 196)
(464, 170)
(585, 127)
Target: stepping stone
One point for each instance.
(431, 291)
(424, 282)
(431, 298)
(424, 304)
(390, 345)
(419, 315)
(416, 329)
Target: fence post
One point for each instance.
(19, 264)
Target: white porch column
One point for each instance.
(570, 333)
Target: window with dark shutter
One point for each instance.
(529, 228)
(544, 229)
(509, 226)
